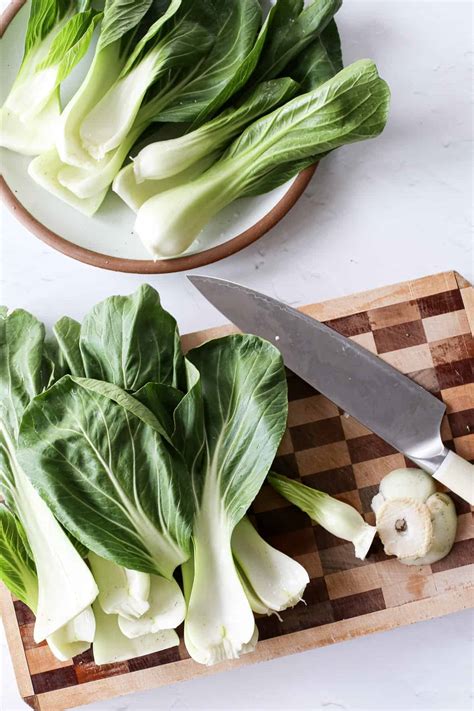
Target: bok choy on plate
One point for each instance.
(249, 98)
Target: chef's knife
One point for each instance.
(363, 385)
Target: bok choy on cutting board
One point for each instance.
(128, 470)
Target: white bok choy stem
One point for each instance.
(104, 70)
(255, 602)
(87, 182)
(18, 572)
(134, 193)
(167, 609)
(276, 579)
(57, 38)
(32, 138)
(220, 630)
(65, 584)
(335, 516)
(169, 222)
(121, 591)
(199, 655)
(75, 637)
(45, 170)
(111, 645)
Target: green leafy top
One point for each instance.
(17, 570)
(292, 29)
(44, 16)
(244, 411)
(21, 365)
(241, 69)
(234, 26)
(130, 341)
(71, 44)
(321, 60)
(352, 106)
(99, 459)
(120, 18)
(152, 34)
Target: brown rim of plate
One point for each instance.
(148, 266)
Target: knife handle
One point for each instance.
(458, 475)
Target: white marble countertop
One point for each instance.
(376, 213)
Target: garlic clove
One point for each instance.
(405, 528)
(444, 521)
(400, 482)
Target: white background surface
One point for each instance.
(376, 213)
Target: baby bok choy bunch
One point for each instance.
(150, 461)
(313, 65)
(58, 36)
(154, 61)
(313, 55)
(349, 107)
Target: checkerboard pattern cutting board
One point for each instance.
(424, 328)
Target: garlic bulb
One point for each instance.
(416, 523)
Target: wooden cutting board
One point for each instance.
(424, 328)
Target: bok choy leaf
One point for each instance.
(293, 28)
(352, 106)
(335, 516)
(17, 570)
(65, 585)
(234, 26)
(131, 340)
(128, 504)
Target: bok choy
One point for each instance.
(133, 498)
(335, 516)
(181, 62)
(272, 580)
(164, 159)
(65, 585)
(241, 405)
(351, 106)
(57, 37)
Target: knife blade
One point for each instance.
(387, 402)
